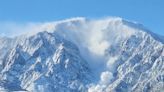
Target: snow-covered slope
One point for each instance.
(44, 62)
(84, 55)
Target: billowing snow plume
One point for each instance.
(95, 35)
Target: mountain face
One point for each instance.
(44, 62)
(84, 55)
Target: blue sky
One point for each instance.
(148, 12)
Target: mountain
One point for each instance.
(84, 55)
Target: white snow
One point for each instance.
(106, 77)
(109, 45)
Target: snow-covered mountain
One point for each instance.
(83, 55)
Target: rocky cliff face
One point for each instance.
(44, 62)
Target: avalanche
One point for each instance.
(83, 55)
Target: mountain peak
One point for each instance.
(80, 54)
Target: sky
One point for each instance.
(17, 13)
